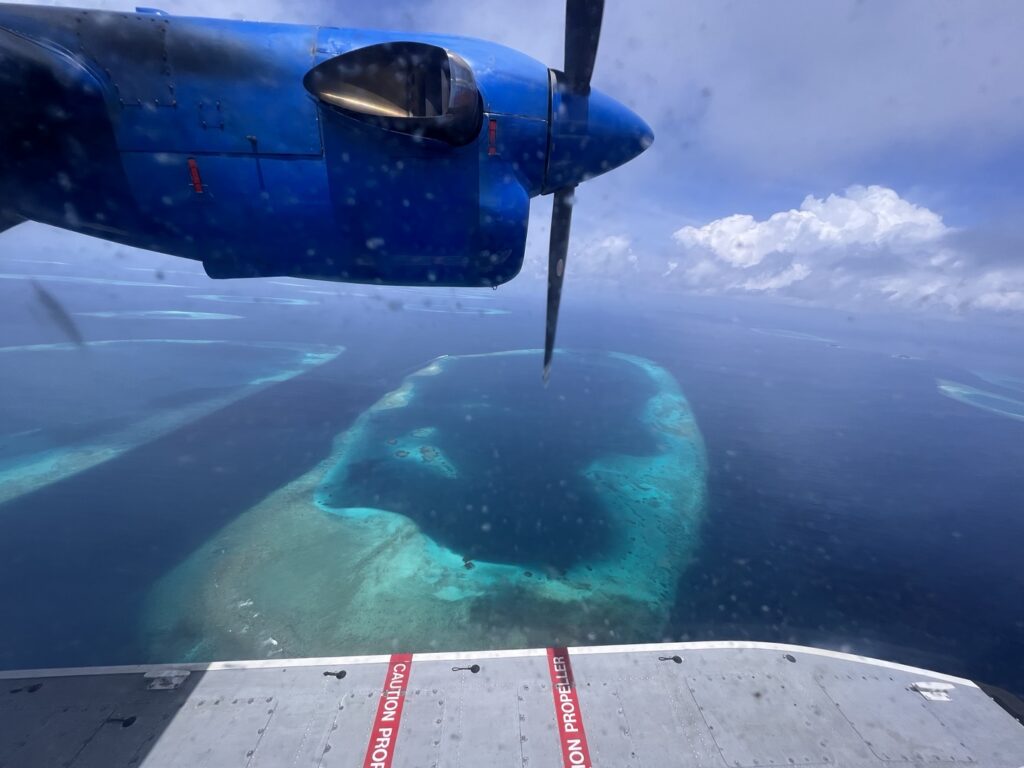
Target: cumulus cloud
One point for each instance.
(862, 216)
(606, 256)
(866, 245)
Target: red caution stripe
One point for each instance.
(384, 736)
(575, 753)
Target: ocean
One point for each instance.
(828, 490)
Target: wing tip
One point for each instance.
(9, 219)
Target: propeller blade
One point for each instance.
(561, 220)
(582, 32)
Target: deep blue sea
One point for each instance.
(850, 503)
(520, 451)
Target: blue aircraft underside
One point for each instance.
(201, 138)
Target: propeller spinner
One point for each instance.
(590, 134)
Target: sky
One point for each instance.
(862, 155)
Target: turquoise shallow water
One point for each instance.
(469, 507)
(49, 430)
(993, 402)
(159, 314)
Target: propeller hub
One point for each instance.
(589, 135)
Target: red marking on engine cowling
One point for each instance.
(193, 172)
(492, 136)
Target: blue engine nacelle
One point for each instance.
(269, 149)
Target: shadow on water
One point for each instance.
(79, 556)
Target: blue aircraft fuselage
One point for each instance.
(273, 149)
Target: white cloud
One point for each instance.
(614, 246)
(791, 274)
(606, 256)
(1007, 300)
(864, 216)
(865, 246)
